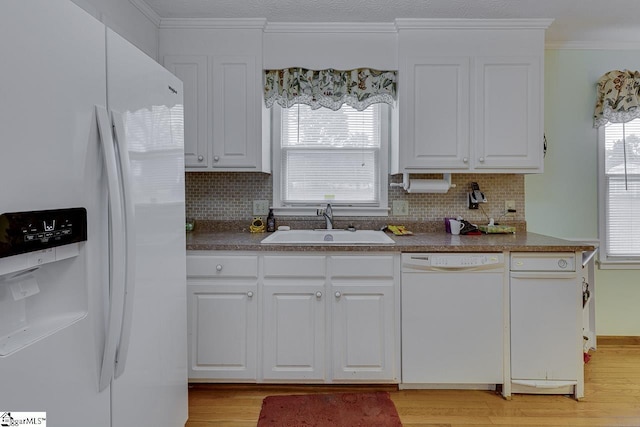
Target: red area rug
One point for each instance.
(320, 410)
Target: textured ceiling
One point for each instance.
(575, 20)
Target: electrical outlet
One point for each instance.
(260, 207)
(400, 208)
(509, 204)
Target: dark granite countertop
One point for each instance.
(429, 241)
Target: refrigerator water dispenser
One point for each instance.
(30, 241)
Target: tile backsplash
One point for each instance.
(228, 196)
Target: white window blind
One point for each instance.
(622, 189)
(331, 156)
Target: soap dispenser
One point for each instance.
(271, 221)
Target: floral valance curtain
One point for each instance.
(618, 98)
(329, 88)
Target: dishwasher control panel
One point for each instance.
(543, 261)
(463, 260)
(452, 260)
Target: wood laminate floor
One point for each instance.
(612, 398)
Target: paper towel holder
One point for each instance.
(406, 184)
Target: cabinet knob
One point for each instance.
(338, 294)
(200, 158)
(219, 267)
(216, 158)
(481, 159)
(465, 160)
(318, 294)
(250, 294)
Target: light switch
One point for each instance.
(400, 208)
(260, 207)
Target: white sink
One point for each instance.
(328, 237)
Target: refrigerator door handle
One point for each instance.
(130, 241)
(116, 250)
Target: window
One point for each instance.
(323, 156)
(620, 192)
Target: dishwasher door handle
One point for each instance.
(415, 268)
(544, 275)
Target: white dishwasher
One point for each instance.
(453, 320)
(546, 324)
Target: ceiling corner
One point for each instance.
(147, 11)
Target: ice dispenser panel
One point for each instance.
(23, 232)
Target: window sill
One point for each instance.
(619, 265)
(338, 211)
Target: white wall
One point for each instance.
(563, 200)
(127, 20)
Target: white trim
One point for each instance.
(618, 265)
(592, 45)
(519, 24)
(329, 27)
(605, 262)
(602, 226)
(214, 23)
(147, 11)
(339, 210)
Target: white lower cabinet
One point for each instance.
(313, 318)
(363, 335)
(293, 334)
(293, 318)
(365, 313)
(331, 318)
(222, 318)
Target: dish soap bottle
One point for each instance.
(271, 221)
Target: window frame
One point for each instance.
(606, 261)
(339, 209)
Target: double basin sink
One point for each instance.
(328, 237)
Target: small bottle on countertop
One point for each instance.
(271, 221)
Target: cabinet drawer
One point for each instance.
(222, 266)
(380, 266)
(294, 266)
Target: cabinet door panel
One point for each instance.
(363, 331)
(437, 113)
(508, 110)
(295, 266)
(545, 331)
(380, 267)
(223, 266)
(234, 112)
(192, 70)
(293, 332)
(223, 332)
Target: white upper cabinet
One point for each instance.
(508, 131)
(470, 92)
(220, 64)
(235, 118)
(470, 96)
(434, 112)
(192, 70)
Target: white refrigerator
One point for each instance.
(93, 332)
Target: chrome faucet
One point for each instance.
(327, 213)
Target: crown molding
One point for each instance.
(214, 23)
(147, 11)
(330, 27)
(473, 24)
(592, 45)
